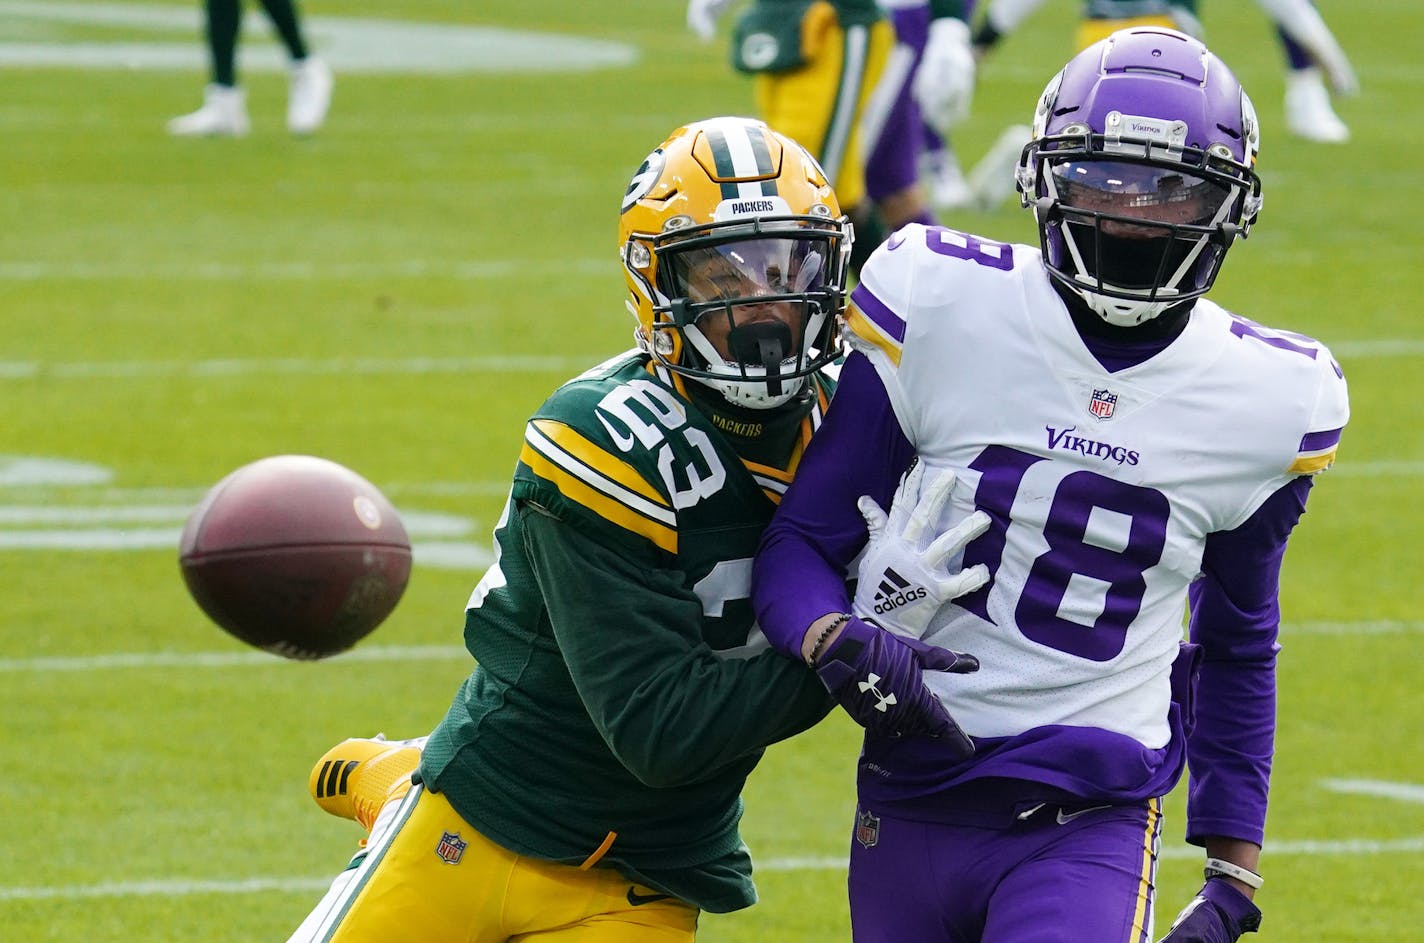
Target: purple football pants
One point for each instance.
(1074, 874)
(891, 165)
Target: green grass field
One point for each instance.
(397, 293)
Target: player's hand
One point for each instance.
(944, 83)
(702, 16)
(902, 580)
(1218, 914)
(878, 677)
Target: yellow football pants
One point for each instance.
(820, 104)
(426, 876)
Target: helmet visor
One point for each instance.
(1158, 196)
(764, 267)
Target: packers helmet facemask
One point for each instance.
(724, 222)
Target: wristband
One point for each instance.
(1216, 867)
(841, 620)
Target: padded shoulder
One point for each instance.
(590, 454)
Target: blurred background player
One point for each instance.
(224, 109)
(839, 76)
(1038, 400)
(1316, 65)
(587, 777)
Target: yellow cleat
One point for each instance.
(355, 778)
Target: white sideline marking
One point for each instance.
(1406, 792)
(289, 366)
(368, 366)
(1377, 627)
(176, 888)
(1397, 347)
(351, 44)
(224, 659)
(437, 652)
(80, 270)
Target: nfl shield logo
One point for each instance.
(867, 828)
(451, 848)
(1102, 404)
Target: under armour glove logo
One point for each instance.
(877, 677)
(883, 700)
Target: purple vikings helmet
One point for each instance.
(1141, 172)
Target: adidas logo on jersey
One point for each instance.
(896, 591)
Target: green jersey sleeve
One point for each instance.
(670, 708)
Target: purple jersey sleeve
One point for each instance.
(1235, 618)
(800, 571)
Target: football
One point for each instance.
(296, 555)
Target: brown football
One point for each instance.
(296, 555)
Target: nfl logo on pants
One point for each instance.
(867, 828)
(451, 848)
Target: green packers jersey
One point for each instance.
(623, 692)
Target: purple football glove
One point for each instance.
(877, 677)
(1218, 914)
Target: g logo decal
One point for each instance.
(644, 179)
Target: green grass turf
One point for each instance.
(173, 309)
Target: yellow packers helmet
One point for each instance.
(731, 203)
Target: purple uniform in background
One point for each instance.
(894, 129)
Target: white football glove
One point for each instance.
(944, 83)
(1299, 20)
(702, 16)
(902, 579)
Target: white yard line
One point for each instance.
(1404, 792)
(175, 887)
(13, 270)
(345, 366)
(113, 660)
(298, 366)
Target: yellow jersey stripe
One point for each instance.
(767, 470)
(595, 458)
(867, 331)
(594, 478)
(580, 492)
(1312, 464)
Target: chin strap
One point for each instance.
(763, 344)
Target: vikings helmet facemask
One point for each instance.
(1141, 172)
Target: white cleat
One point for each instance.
(1308, 111)
(310, 95)
(224, 114)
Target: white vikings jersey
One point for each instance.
(1102, 486)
